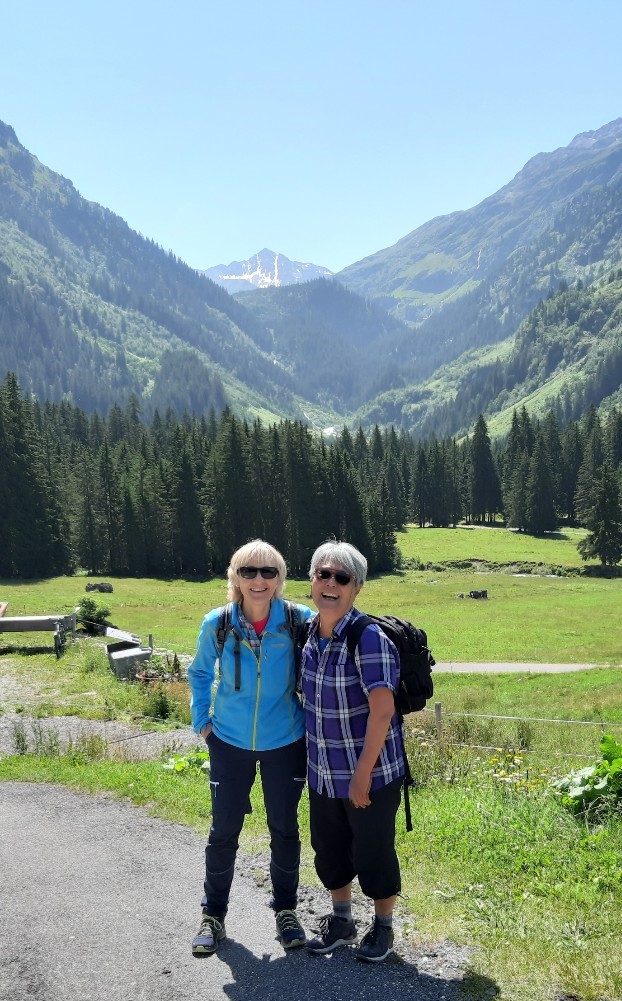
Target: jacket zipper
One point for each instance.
(258, 659)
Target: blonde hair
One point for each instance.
(255, 553)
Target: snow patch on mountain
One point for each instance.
(265, 270)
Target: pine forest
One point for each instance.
(174, 497)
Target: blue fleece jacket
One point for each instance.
(266, 712)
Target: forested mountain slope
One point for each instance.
(566, 356)
(334, 341)
(451, 255)
(93, 311)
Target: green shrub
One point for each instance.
(91, 616)
(596, 787)
(159, 704)
(195, 761)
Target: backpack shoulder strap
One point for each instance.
(294, 620)
(223, 627)
(355, 631)
(296, 629)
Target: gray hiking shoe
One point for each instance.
(376, 944)
(290, 931)
(211, 932)
(334, 931)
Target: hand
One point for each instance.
(358, 792)
(205, 731)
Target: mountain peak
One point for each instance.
(266, 269)
(604, 136)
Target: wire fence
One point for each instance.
(442, 732)
(460, 729)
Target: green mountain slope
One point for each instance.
(516, 301)
(90, 308)
(333, 341)
(566, 356)
(451, 255)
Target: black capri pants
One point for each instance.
(350, 841)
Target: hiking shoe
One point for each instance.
(376, 944)
(334, 931)
(290, 931)
(211, 932)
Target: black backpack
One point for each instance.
(415, 684)
(224, 626)
(416, 660)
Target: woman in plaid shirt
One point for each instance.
(355, 754)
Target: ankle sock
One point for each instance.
(386, 920)
(343, 909)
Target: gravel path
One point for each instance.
(100, 903)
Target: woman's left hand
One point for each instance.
(358, 792)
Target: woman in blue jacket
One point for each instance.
(256, 718)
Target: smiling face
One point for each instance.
(257, 593)
(332, 599)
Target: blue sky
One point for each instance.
(321, 130)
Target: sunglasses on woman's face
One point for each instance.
(268, 573)
(339, 576)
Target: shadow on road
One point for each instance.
(338, 977)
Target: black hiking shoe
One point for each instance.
(334, 931)
(376, 944)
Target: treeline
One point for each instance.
(174, 497)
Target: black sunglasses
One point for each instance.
(268, 573)
(340, 577)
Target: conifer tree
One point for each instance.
(420, 495)
(109, 503)
(593, 458)
(516, 497)
(8, 490)
(485, 489)
(360, 450)
(572, 458)
(90, 550)
(614, 438)
(30, 524)
(226, 493)
(384, 544)
(540, 513)
(604, 521)
(189, 543)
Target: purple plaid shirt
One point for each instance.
(335, 694)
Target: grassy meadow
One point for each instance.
(494, 861)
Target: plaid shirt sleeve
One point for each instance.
(377, 660)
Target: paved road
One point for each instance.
(449, 667)
(97, 903)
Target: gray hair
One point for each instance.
(344, 554)
(254, 553)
